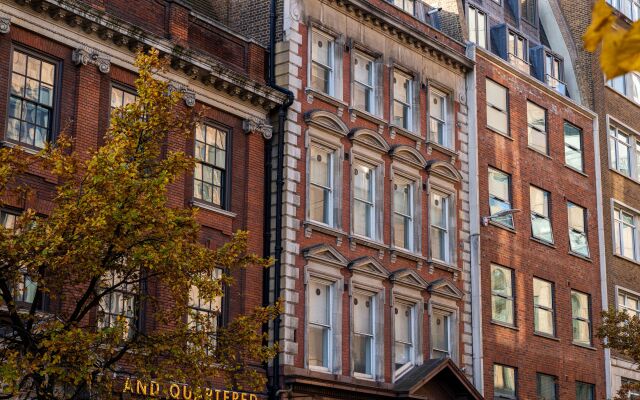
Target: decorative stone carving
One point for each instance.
(255, 125)
(84, 57)
(188, 95)
(5, 24)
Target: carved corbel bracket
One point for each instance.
(84, 57)
(5, 24)
(255, 125)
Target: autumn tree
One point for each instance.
(72, 281)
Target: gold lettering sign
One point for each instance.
(174, 391)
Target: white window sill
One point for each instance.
(586, 258)
(209, 207)
(539, 152)
(543, 242)
(316, 94)
(502, 226)
(576, 170)
(310, 226)
(365, 241)
(503, 134)
(623, 175)
(627, 258)
(376, 119)
(29, 150)
(451, 152)
(443, 265)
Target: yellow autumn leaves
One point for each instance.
(620, 48)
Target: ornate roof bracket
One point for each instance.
(258, 126)
(5, 24)
(188, 95)
(83, 57)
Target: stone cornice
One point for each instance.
(412, 36)
(194, 64)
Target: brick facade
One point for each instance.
(222, 73)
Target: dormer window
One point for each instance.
(529, 9)
(553, 73)
(630, 8)
(517, 51)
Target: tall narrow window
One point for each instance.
(553, 74)
(209, 179)
(320, 325)
(440, 233)
(321, 184)
(517, 48)
(407, 5)
(578, 229)
(441, 334)
(540, 214)
(119, 304)
(204, 314)
(403, 100)
(363, 334)
(619, 150)
(581, 317)
(529, 10)
(504, 381)
(537, 121)
(404, 338)
(625, 233)
(364, 83)
(546, 387)
(629, 303)
(31, 102)
(322, 62)
(573, 156)
(24, 290)
(500, 196)
(585, 391)
(364, 203)
(543, 307)
(477, 27)
(502, 299)
(438, 130)
(403, 213)
(497, 107)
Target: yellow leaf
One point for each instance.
(609, 55)
(628, 52)
(601, 22)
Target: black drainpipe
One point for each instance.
(274, 382)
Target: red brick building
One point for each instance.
(538, 261)
(73, 62)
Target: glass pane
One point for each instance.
(17, 84)
(546, 387)
(32, 90)
(13, 129)
(319, 303)
(628, 241)
(502, 310)
(538, 140)
(41, 136)
(402, 197)
(362, 182)
(497, 120)
(473, 14)
(363, 313)
(19, 62)
(47, 73)
(363, 69)
(572, 136)
(321, 48)
(496, 95)
(541, 228)
(33, 68)
(362, 357)
(482, 30)
(440, 331)
(437, 106)
(581, 332)
(400, 115)
(15, 107)
(401, 84)
(573, 158)
(402, 354)
(496, 206)
(361, 97)
(579, 305)
(362, 218)
(543, 321)
(438, 244)
(319, 204)
(501, 281)
(401, 232)
(320, 78)
(499, 184)
(42, 117)
(576, 217)
(320, 166)
(542, 293)
(403, 323)
(439, 210)
(318, 346)
(579, 243)
(539, 200)
(536, 117)
(504, 380)
(584, 391)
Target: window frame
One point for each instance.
(625, 294)
(412, 216)
(449, 133)
(450, 229)
(633, 149)
(534, 17)
(515, 381)
(373, 337)
(619, 224)
(508, 202)
(330, 284)
(225, 191)
(534, 214)
(332, 39)
(588, 320)
(531, 126)
(545, 309)
(134, 292)
(505, 112)
(585, 233)
(335, 178)
(591, 386)
(374, 211)
(580, 150)
(21, 291)
(122, 87)
(476, 14)
(511, 298)
(519, 61)
(403, 8)
(377, 68)
(629, 81)
(413, 351)
(409, 122)
(449, 316)
(56, 97)
(555, 384)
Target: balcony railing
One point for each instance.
(519, 63)
(556, 84)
